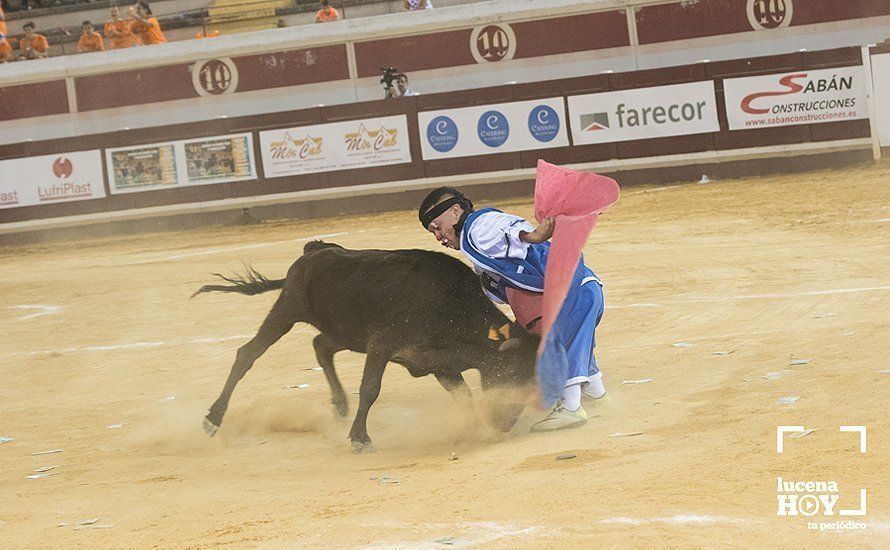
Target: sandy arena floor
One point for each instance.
(763, 270)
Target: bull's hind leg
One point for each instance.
(325, 348)
(277, 323)
(375, 363)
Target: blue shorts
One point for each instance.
(568, 356)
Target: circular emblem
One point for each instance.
(493, 128)
(62, 168)
(770, 14)
(543, 123)
(492, 43)
(441, 134)
(809, 505)
(215, 77)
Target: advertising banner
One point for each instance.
(802, 97)
(335, 146)
(644, 113)
(142, 168)
(490, 129)
(880, 68)
(218, 159)
(51, 178)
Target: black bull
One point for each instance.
(423, 310)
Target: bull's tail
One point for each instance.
(251, 284)
(313, 246)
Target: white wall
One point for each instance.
(880, 66)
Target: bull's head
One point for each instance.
(513, 373)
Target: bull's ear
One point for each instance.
(493, 334)
(505, 331)
(511, 343)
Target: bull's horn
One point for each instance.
(509, 344)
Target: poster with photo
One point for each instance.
(217, 160)
(142, 168)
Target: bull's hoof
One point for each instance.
(210, 427)
(359, 447)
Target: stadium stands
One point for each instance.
(229, 16)
(60, 20)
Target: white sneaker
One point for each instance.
(590, 396)
(594, 389)
(560, 418)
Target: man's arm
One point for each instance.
(541, 234)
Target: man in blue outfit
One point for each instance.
(509, 253)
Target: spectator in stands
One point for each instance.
(32, 45)
(2, 24)
(416, 5)
(118, 31)
(90, 40)
(326, 13)
(402, 86)
(5, 51)
(131, 18)
(147, 27)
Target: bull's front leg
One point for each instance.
(375, 363)
(456, 385)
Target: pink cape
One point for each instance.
(575, 200)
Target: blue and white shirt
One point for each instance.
(490, 239)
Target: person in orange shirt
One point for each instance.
(90, 40)
(146, 26)
(32, 45)
(2, 24)
(326, 13)
(131, 18)
(118, 31)
(5, 51)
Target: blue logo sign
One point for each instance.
(493, 128)
(543, 123)
(442, 134)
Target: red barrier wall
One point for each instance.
(684, 20)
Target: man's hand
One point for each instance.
(541, 234)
